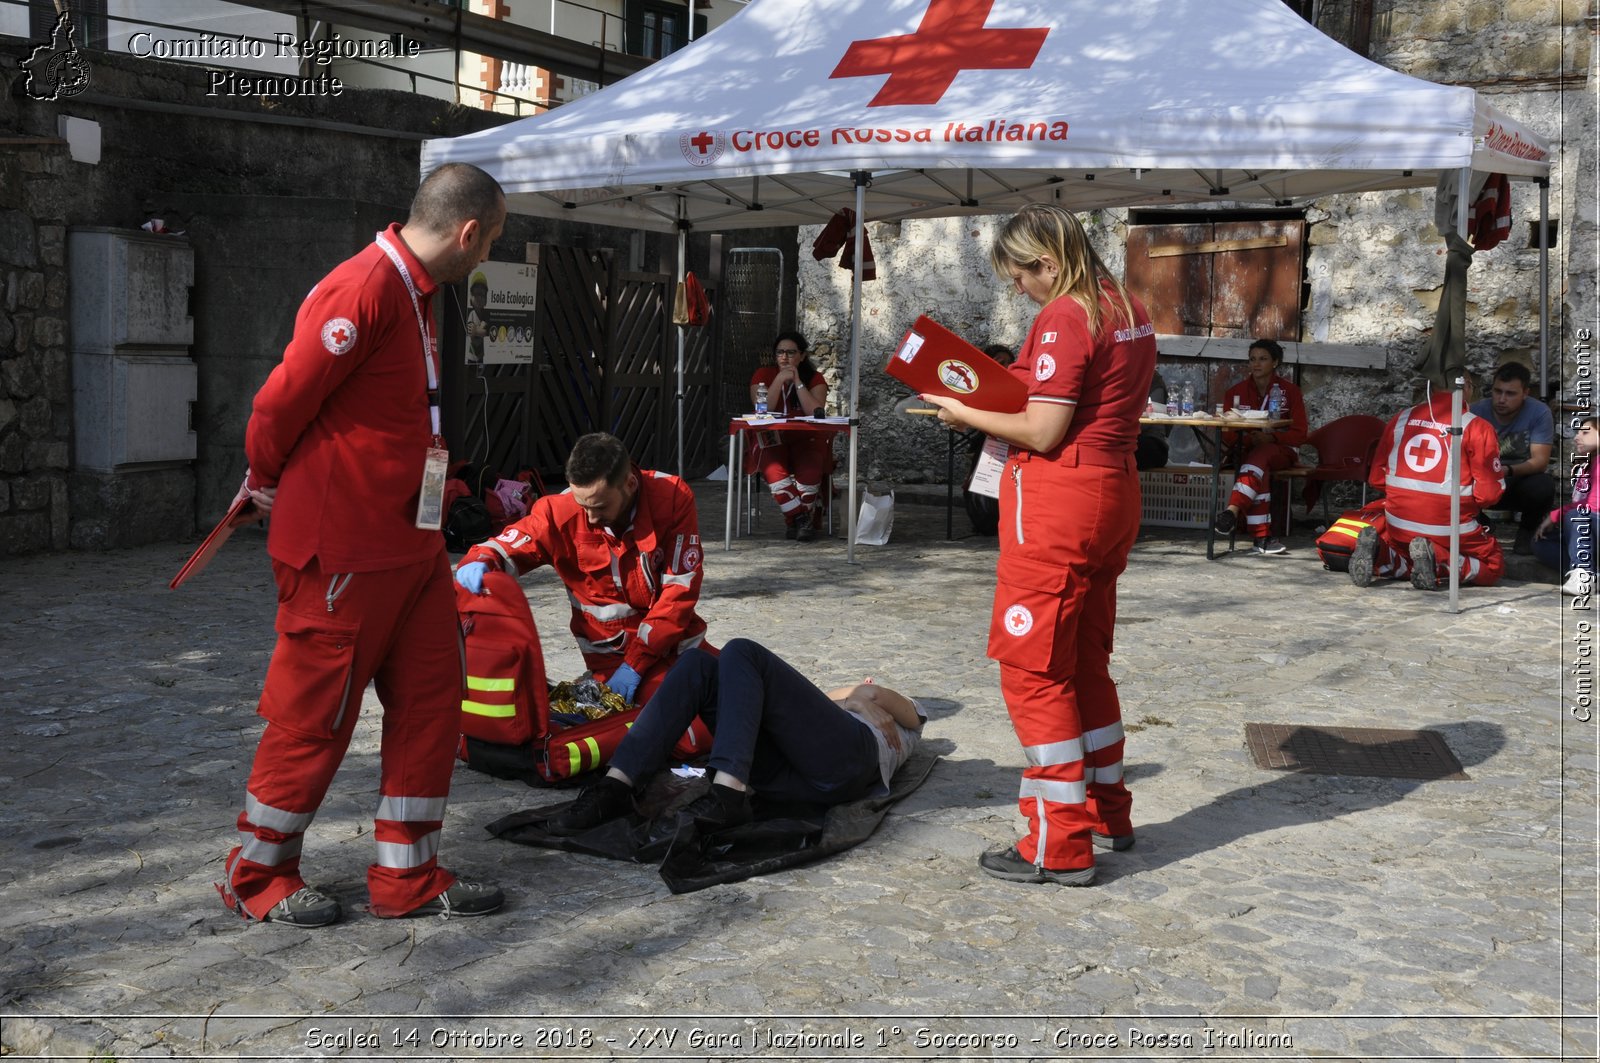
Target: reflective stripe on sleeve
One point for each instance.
(605, 613)
(684, 580)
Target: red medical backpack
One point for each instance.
(1336, 544)
(506, 728)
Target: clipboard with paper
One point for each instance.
(932, 360)
(242, 512)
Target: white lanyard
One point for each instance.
(422, 327)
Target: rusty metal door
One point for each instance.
(1238, 278)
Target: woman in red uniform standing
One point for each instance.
(794, 464)
(1069, 513)
(1266, 451)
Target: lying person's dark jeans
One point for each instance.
(771, 728)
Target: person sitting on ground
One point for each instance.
(1527, 434)
(1411, 465)
(1265, 450)
(773, 733)
(1569, 532)
(794, 464)
(626, 542)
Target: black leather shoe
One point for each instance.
(599, 802)
(1009, 865)
(719, 808)
(1224, 522)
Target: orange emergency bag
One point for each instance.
(506, 730)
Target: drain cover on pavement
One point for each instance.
(1352, 751)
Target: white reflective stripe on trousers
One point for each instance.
(1101, 737)
(411, 809)
(269, 854)
(400, 855)
(1052, 753)
(265, 817)
(1059, 791)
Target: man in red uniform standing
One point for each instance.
(338, 442)
(1412, 466)
(626, 542)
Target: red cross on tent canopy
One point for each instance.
(950, 39)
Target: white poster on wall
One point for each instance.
(501, 313)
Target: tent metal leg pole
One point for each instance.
(862, 179)
(1544, 288)
(683, 247)
(1455, 498)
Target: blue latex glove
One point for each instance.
(471, 576)
(625, 682)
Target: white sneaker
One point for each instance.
(1580, 583)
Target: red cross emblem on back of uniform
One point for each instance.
(951, 38)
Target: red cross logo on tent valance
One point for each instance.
(950, 39)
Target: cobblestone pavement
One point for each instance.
(1260, 915)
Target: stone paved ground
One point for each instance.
(1261, 915)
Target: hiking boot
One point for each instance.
(1269, 545)
(1009, 865)
(1580, 583)
(1115, 842)
(1424, 573)
(790, 531)
(807, 533)
(719, 808)
(305, 907)
(599, 802)
(462, 898)
(1362, 557)
(1224, 522)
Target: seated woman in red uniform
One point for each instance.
(794, 464)
(1265, 450)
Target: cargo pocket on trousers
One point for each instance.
(308, 689)
(1028, 598)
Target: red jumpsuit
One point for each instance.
(1411, 466)
(794, 464)
(1067, 521)
(1252, 489)
(633, 591)
(341, 427)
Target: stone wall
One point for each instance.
(1375, 262)
(35, 386)
(270, 193)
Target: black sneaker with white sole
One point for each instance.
(305, 907)
(462, 898)
(1270, 545)
(1224, 522)
(1009, 865)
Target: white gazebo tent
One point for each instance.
(794, 109)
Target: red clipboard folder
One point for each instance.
(935, 361)
(242, 512)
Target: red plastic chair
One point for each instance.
(1344, 452)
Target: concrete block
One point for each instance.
(46, 455)
(49, 331)
(113, 510)
(31, 289)
(32, 492)
(132, 408)
(53, 245)
(130, 288)
(13, 452)
(24, 533)
(33, 418)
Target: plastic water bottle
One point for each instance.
(1172, 405)
(1275, 402)
(761, 399)
(1188, 400)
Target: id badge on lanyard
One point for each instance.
(436, 463)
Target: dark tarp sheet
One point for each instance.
(781, 835)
